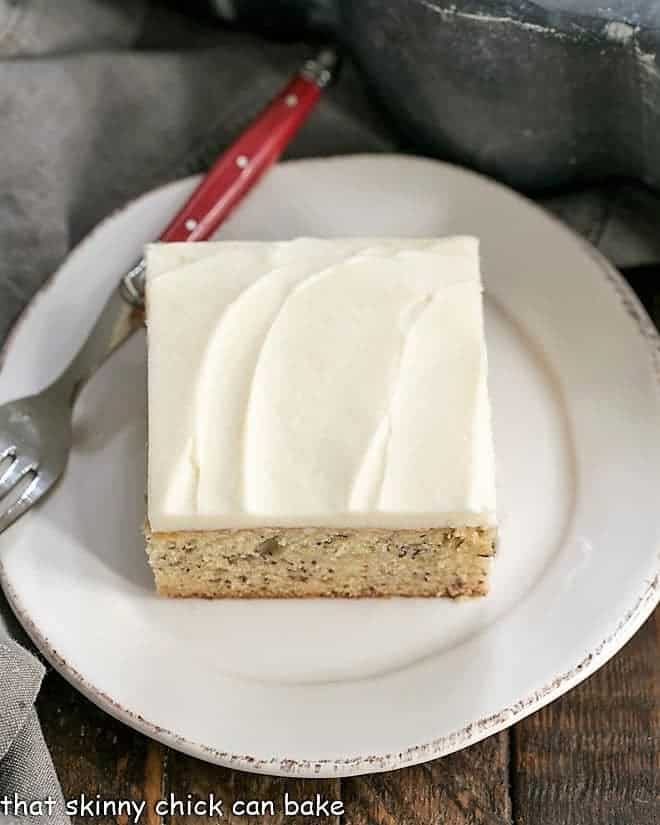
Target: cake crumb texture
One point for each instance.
(321, 562)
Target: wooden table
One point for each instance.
(590, 758)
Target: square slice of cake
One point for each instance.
(319, 421)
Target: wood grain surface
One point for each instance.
(590, 758)
(593, 756)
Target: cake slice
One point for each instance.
(319, 420)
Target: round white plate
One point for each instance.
(333, 687)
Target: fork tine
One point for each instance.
(7, 452)
(16, 471)
(28, 497)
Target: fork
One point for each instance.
(36, 431)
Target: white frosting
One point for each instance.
(337, 383)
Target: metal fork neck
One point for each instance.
(132, 284)
(117, 321)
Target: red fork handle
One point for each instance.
(243, 163)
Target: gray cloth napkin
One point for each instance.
(27, 775)
(103, 100)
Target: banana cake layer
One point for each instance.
(319, 421)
